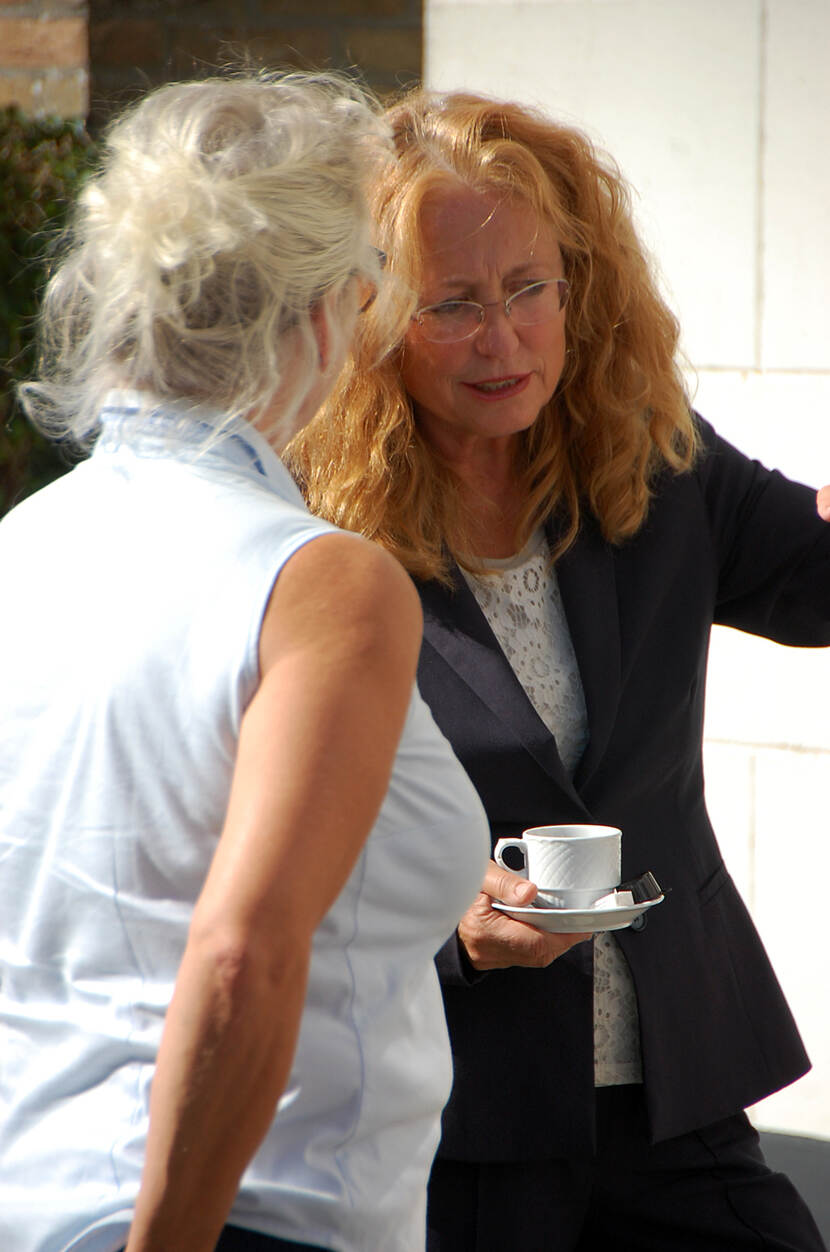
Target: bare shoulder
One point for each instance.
(351, 576)
(345, 588)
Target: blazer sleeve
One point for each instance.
(772, 548)
(453, 965)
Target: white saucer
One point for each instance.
(574, 921)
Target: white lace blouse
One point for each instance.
(521, 600)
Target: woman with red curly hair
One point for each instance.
(523, 442)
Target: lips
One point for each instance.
(498, 388)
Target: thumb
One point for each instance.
(503, 884)
(823, 503)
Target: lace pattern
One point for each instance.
(617, 1057)
(522, 602)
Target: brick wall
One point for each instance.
(44, 56)
(134, 43)
(71, 57)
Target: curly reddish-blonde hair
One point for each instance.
(620, 412)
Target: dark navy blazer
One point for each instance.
(729, 542)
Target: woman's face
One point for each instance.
(480, 246)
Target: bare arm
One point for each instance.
(494, 941)
(338, 651)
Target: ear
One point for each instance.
(319, 324)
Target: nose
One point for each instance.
(498, 334)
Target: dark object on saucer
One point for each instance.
(644, 887)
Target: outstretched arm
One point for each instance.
(338, 651)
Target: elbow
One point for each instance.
(245, 967)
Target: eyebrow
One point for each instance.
(460, 283)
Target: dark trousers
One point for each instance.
(706, 1191)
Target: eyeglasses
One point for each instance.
(451, 321)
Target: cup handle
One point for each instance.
(511, 843)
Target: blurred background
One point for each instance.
(717, 112)
(65, 65)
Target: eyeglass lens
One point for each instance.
(453, 320)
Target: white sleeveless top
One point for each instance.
(521, 600)
(134, 591)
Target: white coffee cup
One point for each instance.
(571, 865)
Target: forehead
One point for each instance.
(463, 229)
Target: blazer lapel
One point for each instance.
(458, 630)
(588, 585)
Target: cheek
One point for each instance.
(412, 363)
(554, 356)
(425, 367)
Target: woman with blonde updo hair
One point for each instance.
(220, 1021)
(521, 439)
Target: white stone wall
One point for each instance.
(718, 112)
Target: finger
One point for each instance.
(555, 945)
(823, 503)
(503, 884)
(523, 944)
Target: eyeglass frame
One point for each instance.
(506, 302)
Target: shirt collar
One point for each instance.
(152, 427)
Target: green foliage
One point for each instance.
(41, 165)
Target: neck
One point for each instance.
(492, 502)
(490, 493)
